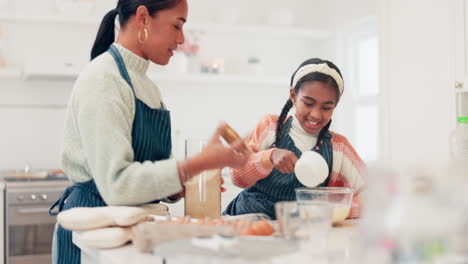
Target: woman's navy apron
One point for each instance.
(151, 140)
(262, 196)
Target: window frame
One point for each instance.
(348, 38)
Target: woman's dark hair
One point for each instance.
(125, 9)
(313, 76)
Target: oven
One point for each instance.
(28, 227)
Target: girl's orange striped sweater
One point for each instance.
(348, 168)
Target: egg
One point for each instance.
(262, 228)
(259, 228)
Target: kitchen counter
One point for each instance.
(125, 254)
(343, 247)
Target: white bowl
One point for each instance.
(311, 169)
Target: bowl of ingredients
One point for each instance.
(339, 198)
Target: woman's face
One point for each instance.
(315, 103)
(165, 33)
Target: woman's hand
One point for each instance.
(215, 155)
(181, 194)
(284, 160)
(218, 155)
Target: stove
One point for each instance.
(50, 177)
(28, 228)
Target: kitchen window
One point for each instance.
(359, 114)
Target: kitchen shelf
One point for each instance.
(10, 73)
(260, 30)
(50, 19)
(182, 78)
(47, 74)
(231, 79)
(207, 27)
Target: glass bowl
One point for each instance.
(339, 198)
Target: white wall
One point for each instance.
(32, 112)
(417, 49)
(417, 57)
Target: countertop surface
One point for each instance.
(342, 248)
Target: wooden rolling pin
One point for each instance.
(230, 136)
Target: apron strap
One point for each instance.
(123, 70)
(60, 202)
(121, 65)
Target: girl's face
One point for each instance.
(315, 103)
(165, 33)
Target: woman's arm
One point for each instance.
(105, 122)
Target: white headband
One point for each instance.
(322, 68)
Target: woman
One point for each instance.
(278, 142)
(117, 147)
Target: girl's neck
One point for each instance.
(296, 126)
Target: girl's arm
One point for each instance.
(259, 164)
(349, 170)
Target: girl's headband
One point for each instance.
(322, 68)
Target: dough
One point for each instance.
(110, 237)
(87, 218)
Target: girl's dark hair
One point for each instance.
(125, 9)
(313, 76)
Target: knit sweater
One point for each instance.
(348, 169)
(98, 133)
(302, 140)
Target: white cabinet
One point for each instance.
(461, 57)
(461, 48)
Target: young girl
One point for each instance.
(278, 142)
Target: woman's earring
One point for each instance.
(139, 36)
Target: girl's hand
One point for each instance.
(284, 160)
(222, 182)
